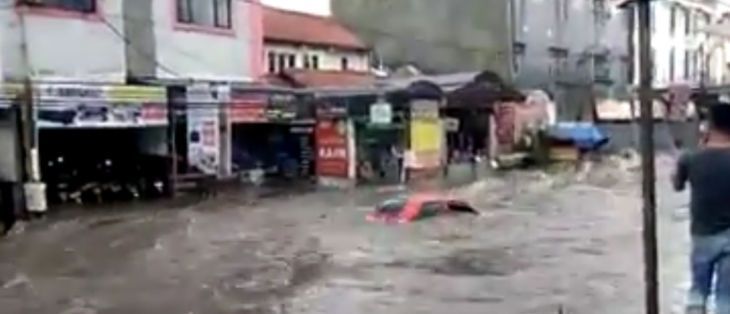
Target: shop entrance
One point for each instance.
(380, 153)
(98, 165)
(280, 152)
(467, 134)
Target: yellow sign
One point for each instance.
(425, 135)
(136, 94)
(11, 89)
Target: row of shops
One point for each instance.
(100, 143)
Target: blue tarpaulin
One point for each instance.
(584, 135)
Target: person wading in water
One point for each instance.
(707, 170)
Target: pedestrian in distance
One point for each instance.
(707, 170)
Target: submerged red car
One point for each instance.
(418, 206)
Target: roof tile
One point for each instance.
(288, 26)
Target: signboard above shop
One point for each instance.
(257, 107)
(248, 108)
(100, 106)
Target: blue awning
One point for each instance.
(584, 135)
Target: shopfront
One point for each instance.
(272, 135)
(381, 140)
(101, 143)
(334, 144)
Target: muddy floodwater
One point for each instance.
(545, 241)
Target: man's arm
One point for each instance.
(681, 173)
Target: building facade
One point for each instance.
(683, 51)
(63, 41)
(103, 72)
(313, 50)
(115, 41)
(577, 50)
(433, 35)
(203, 40)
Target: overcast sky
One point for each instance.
(321, 7)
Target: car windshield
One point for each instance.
(393, 206)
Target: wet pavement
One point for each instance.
(545, 241)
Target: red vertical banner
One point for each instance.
(505, 119)
(332, 152)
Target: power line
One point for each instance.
(129, 43)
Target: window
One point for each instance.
(671, 64)
(292, 61)
(213, 13)
(272, 62)
(517, 56)
(315, 62)
(627, 68)
(559, 57)
(654, 69)
(673, 20)
(306, 62)
(282, 62)
(601, 67)
(686, 64)
(84, 6)
(562, 10)
(345, 64)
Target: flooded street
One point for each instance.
(544, 242)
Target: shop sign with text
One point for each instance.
(103, 106)
(249, 108)
(332, 150)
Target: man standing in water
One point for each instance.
(708, 172)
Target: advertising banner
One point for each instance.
(102, 106)
(203, 129)
(332, 150)
(426, 139)
(426, 134)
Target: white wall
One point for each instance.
(329, 59)
(63, 47)
(203, 55)
(664, 41)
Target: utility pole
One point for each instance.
(34, 189)
(648, 182)
(647, 159)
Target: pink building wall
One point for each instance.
(256, 29)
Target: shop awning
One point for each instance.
(584, 135)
